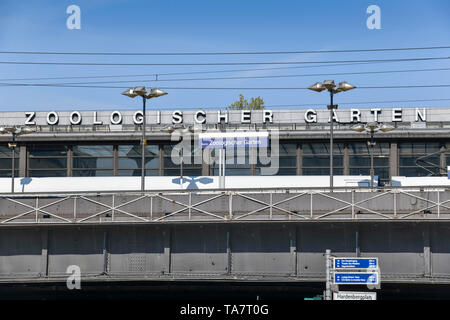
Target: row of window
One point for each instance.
(47, 160)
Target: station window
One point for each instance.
(409, 152)
(359, 159)
(286, 163)
(6, 161)
(237, 161)
(92, 160)
(192, 163)
(316, 159)
(129, 160)
(47, 160)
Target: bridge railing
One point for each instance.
(244, 205)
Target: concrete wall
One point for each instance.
(407, 251)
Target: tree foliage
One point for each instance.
(243, 104)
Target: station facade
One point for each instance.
(107, 143)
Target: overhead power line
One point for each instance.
(216, 88)
(192, 72)
(217, 63)
(221, 53)
(258, 77)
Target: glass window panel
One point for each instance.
(6, 152)
(322, 148)
(136, 172)
(94, 163)
(411, 161)
(93, 151)
(363, 148)
(48, 173)
(359, 171)
(360, 161)
(186, 172)
(416, 172)
(91, 173)
(382, 173)
(7, 173)
(48, 163)
(43, 150)
(418, 147)
(192, 172)
(288, 149)
(7, 163)
(322, 161)
(321, 171)
(135, 150)
(133, 163)
(233, 172)
(288, 161)
(280, 172)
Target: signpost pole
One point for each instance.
(328, 274)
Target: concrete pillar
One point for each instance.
(427, 251)
(44, 252)
(393, 160)
(443, 160)
(22, 161)
(299, 159)
(346, 160)
(70, 161)
(167, 234)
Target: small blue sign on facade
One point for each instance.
(355, 278)
(355, 263)
(239, 142)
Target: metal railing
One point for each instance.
(244, 205)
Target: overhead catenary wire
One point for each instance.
(2, 84)
(192, 72)
(260, 77)
(223, 53)
(217, 63)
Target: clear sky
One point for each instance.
(220, 26)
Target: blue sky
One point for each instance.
(216, 26)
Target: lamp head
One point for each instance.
(140, 91)
(372, 126)
(318, 87)
(154, 93)
(26, 130)
(359, 128)
(386, 128)
(129, 93)
(329, 84)
(345, 86)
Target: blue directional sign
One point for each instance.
(239, 142)
(222, 140)
(355, 278)
(355, 263)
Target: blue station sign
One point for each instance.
(356, 278)
(223, 140)
(355, 263)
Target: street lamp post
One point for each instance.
(15, 131)
(371, 128)
(331, 87)
(153, 93)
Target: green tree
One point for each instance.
(242, 103)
